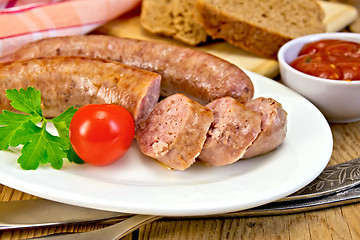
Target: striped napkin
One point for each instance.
(23, 21)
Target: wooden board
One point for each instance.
(337, 17)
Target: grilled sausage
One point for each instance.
(175, 131)
(234, 129)
(197, 74)
(77, 81)
(273, 126)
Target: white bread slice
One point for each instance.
(172, 18)
(258, 26)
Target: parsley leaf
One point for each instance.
(11, 122)
(27, 101)
(40, 147)
(29, 129)
(62, 122)
(62, 125)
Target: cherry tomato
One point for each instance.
(101, 133)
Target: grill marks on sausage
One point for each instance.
(77, 81)
(175, 131)
(197, 74)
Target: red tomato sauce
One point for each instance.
(330, 59)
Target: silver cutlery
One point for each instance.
(332, 179)
(113, 232)
(348, 196)
(132, 223)
(43, 213)
(336, 185)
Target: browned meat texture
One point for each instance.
(197, 74)
(77, 81)
(175, 131)
(234, 129)
(273, 125)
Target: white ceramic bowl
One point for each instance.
(339, 101)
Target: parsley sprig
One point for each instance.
(29, 129)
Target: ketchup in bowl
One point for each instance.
(330, 59)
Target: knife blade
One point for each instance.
(42, 212)
(336, 185)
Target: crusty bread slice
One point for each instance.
(157, 17)
(173, 18)
(261, 27)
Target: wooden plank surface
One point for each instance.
(337, 17)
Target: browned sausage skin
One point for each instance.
(77, 81)
(175, 131)
(234, 129)
(273, 126)
(197, 74)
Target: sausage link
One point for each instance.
(77, 81)
(197, 74)
(273, 126)
(234, 129)
(175, 131)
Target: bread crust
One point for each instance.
(246, 33)
(174, 19)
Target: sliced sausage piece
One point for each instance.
(175, 131)
(195, 73)
(77, 81)
(273, 126)
(233, 130)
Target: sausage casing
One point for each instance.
(77, 81)
(197, 74)
(273, 126)
(233, 131)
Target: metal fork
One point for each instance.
(113, 232)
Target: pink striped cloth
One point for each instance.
(23, 21)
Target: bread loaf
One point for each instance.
(261, 27)
(172, 18)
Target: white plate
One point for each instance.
(140, 185)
